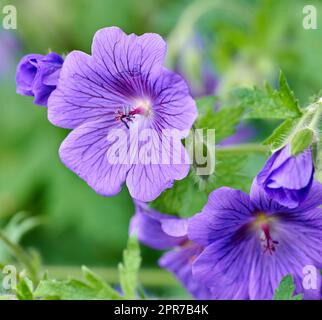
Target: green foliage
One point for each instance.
(93, 286)
(73, 289)
(286, 290)
(129, 268)
(301, 141)
(184, 199)
(268, 103)
(279, 136)
(224, 121)
(24, 289)
(188, 196)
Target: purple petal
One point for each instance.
(226, 211)
(174, 107)
(179, 262)
(299, 237)
(225, 266)
(148, 225)
(123, 54)
(26, 72)
(262, 201)
(175, 227)
(313, 200)
(82, 94)
(146, 182)
(85, 150)
(286, 178)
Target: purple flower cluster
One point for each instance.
(239, 246)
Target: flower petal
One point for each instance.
(147, 224)
(173, 105)
(123, 55)
(226, 211)
(83, 93)
(313, 200)
(262, 201)
(179, 262)
(299, 238)
(85, 151)
(146, 182)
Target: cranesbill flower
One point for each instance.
(252, 242)
(161, 231)
(122, 85)
(287, 178)
(37, 75)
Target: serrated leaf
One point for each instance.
(224, 121)
(129, 269)
(72, 289)
(286, 290)
(268, 103)
(24, 289)
(287, 95)
(277, 139)
(99, 284)
(301, 141)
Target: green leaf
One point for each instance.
(279, 136)
(287, 96)
(24, 289)
(184, 199)
(129, 268)
(224, 121)
(188, 196)
(72, 289)
(267, 103)
(98, 283)
(286, 290)
(301, 141)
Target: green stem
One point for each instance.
(20, 255)
(147, 277)
(242, 148)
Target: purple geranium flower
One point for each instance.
(37, 75)
(252, 242)
(161, 231)
(121, 85)
(286, 178)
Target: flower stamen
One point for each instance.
(269, 243)
(263, 223)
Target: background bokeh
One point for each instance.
(231, 43)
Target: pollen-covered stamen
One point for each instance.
(269, 243)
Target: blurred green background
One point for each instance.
(239, 42)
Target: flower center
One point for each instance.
(263, 223)
(141, 107)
